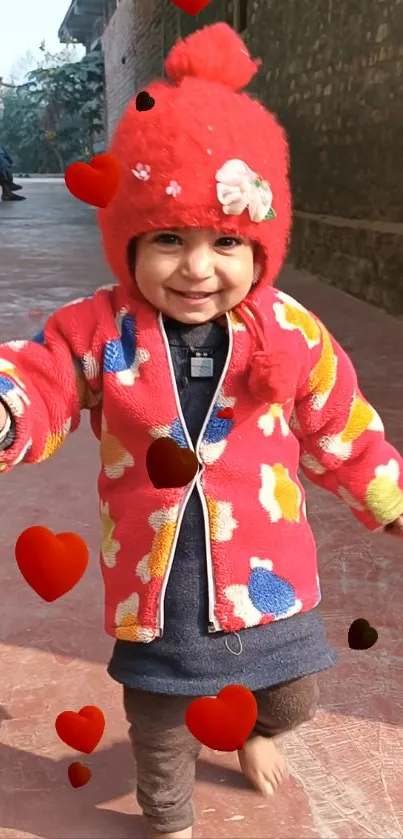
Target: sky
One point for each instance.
(23, 25)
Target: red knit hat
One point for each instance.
(205, 156)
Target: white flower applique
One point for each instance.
(142, 172)
(173, 189)
(239, 188)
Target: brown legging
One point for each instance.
(166, 753)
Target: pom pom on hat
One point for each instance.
(215, 54)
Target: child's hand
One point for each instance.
(396, 528)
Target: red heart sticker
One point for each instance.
(96, 182)
(224, 722)
(79, 774)
(81, 731)
(168, 465)
(192, 7)
(36, 314)
(51, 564)
(226, 413)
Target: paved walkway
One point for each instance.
(347, 766)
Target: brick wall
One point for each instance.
(333, 72)
(334, 75)
(134, 44)
(141, 32)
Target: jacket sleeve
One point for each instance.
(342, 441)
(44, 385)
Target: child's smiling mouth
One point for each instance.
(194, 296)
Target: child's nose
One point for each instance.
(198, 264)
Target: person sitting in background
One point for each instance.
(8, 187)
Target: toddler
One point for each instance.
(216, 582)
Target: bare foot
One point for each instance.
(262, 764)
(179, 834)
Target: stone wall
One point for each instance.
(363, 258)
(333, 73)
(135, 43)
(137, 40)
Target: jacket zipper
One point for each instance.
(213, 626)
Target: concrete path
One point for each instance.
(347, 766)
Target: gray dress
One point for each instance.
(187, 660)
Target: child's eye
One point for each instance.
(228, 242)
(167, 239)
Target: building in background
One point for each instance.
(84, 23)
(333, 73)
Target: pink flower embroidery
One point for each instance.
(173, 189)
(239, 188)
(142, 172)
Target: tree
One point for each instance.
(21, 67)
(41, 57)
(72, 98)
(21, 132)
(54, 117)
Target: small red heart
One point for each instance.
(36, 314)
(224, 722)
(81, 731)
(192, 7)
(168, 465)
(51, 564)
(79, 775)
(226, 413)
(96, 182)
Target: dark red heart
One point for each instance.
(361, 635)
(79, 774)
(144, 102)
(168, 465)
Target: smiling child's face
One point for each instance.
(193, 275)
